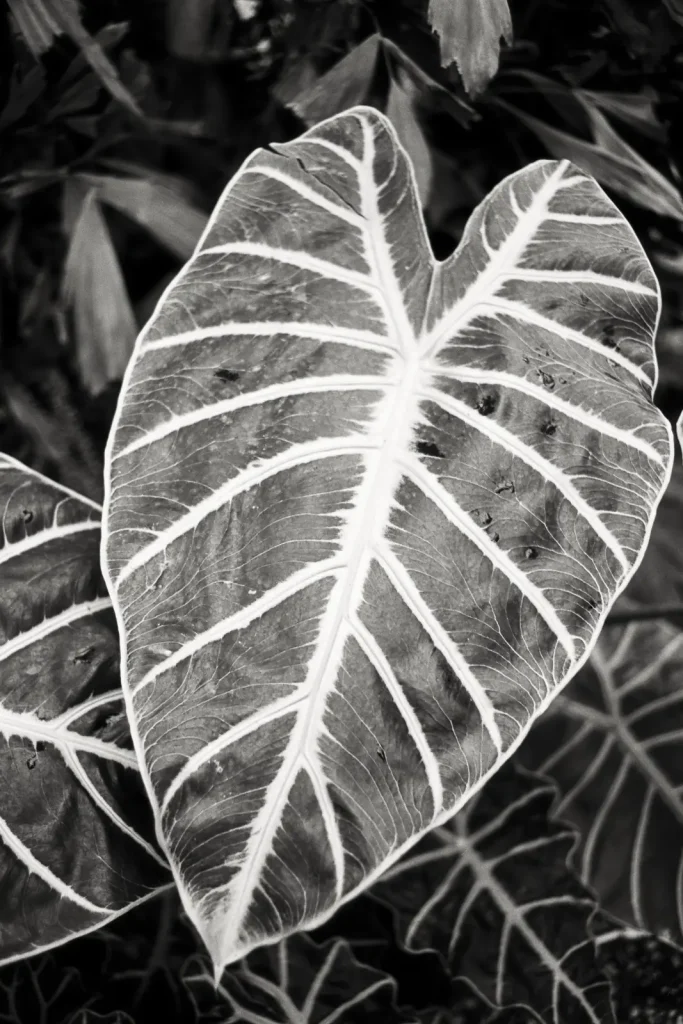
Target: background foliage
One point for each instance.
(120, 123)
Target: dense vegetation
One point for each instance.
(120, 124)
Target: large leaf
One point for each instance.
(366, 512)
(493, 893)
(76, 846)
(612, 742)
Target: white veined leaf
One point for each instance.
(493, 894)
(612, 744)
(367, 512)
(76, 840)
(298, 981)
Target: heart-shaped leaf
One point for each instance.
(493, 893)
(367, 512)
(76, 846)
(299, 982)
(612, 743)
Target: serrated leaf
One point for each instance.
(469, 35)
(76, 847)
(612, 744)
(93, 286)
(366, 513)
(493, 893)
(300, 982)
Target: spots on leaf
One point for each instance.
(226, 375)
(495, 537)
(549, 428)
(84, 657)
(429, 448)
(381, 755)
(487, 404)
(506, 486)
(547, 380)
(481, 516)
(608, 337)
(27, 515)
(530, 554)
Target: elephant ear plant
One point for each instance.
(365, 516)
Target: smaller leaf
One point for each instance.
(614, 163)
(469, 35)
(401, 110)
(635, 109)
(298, 981)
(611, 742)
(493, 893)
(93, 286)
(40, 21)
(438, 97)
(156, 203)
(23, 93)
(346, 84)
(35, 23)
(198, 31)
(76, 846)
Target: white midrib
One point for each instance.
(374, 503)
(373, 508)
(634, 750)
(514, 917)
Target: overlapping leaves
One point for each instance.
(612, 743)
(300, 982)
(493, 893)
(76, 846)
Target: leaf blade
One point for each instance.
(66, 772)
(497, 879)
(469, 33)
(618, 727)
(369, 367)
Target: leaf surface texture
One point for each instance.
(76, 836)
(366, 512)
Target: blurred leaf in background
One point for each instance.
(469, 35)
